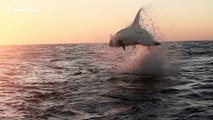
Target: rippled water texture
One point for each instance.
(93, 81)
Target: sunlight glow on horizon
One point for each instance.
(86, 21)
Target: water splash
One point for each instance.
(146, 62)
(149, 21)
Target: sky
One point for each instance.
(92, 21)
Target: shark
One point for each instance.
(133, 35)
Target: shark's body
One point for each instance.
(133, 35)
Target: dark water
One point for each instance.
(95, 82)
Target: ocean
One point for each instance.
(173, 81)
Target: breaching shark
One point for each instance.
(133, 35)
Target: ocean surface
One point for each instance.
(95, 82)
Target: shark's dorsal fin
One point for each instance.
(136, 22)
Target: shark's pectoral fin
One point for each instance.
(120, 43)
(123, 46)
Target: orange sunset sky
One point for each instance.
(86, 21)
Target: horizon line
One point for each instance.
(95, 42)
